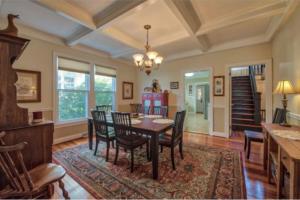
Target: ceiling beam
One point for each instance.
(106, 17)
(69, 11)
(187, 15)
(269, 10)
(276, 23)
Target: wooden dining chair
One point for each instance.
(254, 136)
(176, 138)
(125, 137)
(36, 183)
(161, 110)
(106, 108)
(103, 133)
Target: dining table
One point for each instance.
(148, 126)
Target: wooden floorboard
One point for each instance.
(255, 177)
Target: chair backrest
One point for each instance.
(178, 125)
(99, 119)
(122, 124)
(11, 173)
(106, 108)
(278, 116)
(160, 110)
(136, 107)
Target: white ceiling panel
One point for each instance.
(93, 7)
(104, 43)
(239, 31)
(165, 26)
(209, 10)
(38, 17)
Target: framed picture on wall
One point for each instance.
(190, 87)
(28, 86)
(174, 85)
(219, 88)
(127, 90)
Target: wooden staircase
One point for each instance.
(243, 109)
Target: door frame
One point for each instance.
(268, 87)
(211, 104)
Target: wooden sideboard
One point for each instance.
(283, 161)
(39, 137)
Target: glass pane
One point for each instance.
(72, 105)
(105, 83)
(105, 98)
(157, 103)
(73, 80)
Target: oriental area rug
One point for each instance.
(205, 172)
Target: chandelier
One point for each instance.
(149, 61)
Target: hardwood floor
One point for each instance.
(256, 181)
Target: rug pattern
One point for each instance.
(205, 172)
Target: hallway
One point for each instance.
(196, 123)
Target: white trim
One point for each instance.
(219, 134)
(268, 89)
(70, 123)
(294, 116)
(69, 138)
(41, 109)
(211, 97)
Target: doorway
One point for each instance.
(197, 101)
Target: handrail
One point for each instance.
(255, 95)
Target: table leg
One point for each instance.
(90, 133)
(154, 155)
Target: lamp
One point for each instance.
(284, 87)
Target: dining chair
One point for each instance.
(254, 136)
(103, 133)
(106, 108)
(176, 138)
(161, 110)
(36, 183)
(125, 137)
(136, 107)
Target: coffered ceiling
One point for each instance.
(180, 28)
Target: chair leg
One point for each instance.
(161, 148)
(64, 191)
(117, 154)
(245, 143)
(113, 144)
(107, 150)
(172, 157)
(96, 148)
(248, 148)
(180, 149)
(132, 160)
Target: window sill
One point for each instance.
(70, 123)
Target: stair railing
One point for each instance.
(255, 95)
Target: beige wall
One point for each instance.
(286, 61)
(39, 56)
(174, 71)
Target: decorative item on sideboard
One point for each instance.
(284, 87)
(37, 117)
(11, 28)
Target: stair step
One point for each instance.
(242, 127)
(241, 96)
(243, 110)
(242, 121)
(242, 105)
(240, 77)
(242, 115)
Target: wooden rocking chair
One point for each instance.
(36, 183)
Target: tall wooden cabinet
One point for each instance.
(13, 119)
(155, 99)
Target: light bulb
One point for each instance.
(158, 60)
(152, 55)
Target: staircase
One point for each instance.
(243, 108)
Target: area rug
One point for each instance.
(205, 172)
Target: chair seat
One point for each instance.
(165, 139)
(111, 134)
(132, 140)
(253, 135)
(45, 174)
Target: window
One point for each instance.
(72, 89)
(105, 86)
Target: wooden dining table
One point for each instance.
(146, 127)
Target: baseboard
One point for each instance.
(69, 138)
(219, 134)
